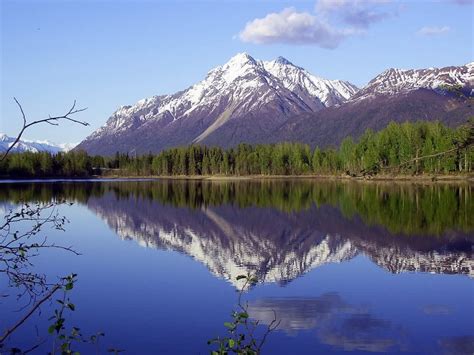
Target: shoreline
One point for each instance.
(468, 178)
(379, 178)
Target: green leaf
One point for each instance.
(231, 343)
(243, 315)
(51, 329)
(229, 325)
(71, 306)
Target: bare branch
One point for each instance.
(22, 112)
(52, 120)
(48, 295)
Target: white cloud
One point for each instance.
(433, 31)
(292, 27)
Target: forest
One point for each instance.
(407, 148)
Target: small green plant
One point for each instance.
(241, 329)
(65, 340)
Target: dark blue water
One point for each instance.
(345, 267)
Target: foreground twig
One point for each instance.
(47, 296)
(52, 120)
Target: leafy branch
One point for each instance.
(18, 248)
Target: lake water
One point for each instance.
(345, 266)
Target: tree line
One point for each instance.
(406, 148)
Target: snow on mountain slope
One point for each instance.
(33, 146)
(272, 91)
(396, 81)
(300, 81)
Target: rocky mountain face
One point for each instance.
(32, 146)
(330, 126)
(251, 101)
(231, 241)
(242, 100)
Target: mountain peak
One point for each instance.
(242, 59)
(238, 66)
(282, 60)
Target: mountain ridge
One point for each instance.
(394, 80)
(252, 101)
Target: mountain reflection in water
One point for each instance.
(279, 230)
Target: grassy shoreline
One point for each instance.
(406, 178)
(459, 178)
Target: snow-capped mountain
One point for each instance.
(242, 100)
(396, 81)
(252, 101)
(33, 146)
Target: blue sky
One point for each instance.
(110, 53)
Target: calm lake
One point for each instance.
(345, 266)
